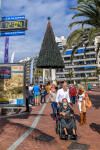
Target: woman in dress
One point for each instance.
(82, 104)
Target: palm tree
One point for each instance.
(83, 37)
(70, 74)
(81, 1)
(90, 11)
(88, 14)
(98, 75)
(85, 80)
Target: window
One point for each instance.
(66, 58)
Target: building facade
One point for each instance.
(27, 61)
(32, 74)
(83, 68)
(61, 42)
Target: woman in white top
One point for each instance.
(82, 104)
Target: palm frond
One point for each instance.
(88, 13)
(86, 10)
(74, 51)
(91, 12)
(75, 23)
(74, 37)
(85, 1)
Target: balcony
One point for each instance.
(76, 78)
(81, 54)
(75, 60)
(76, 72)
(80, 66)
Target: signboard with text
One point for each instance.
(13, 18)
(12, 84)
(13, 25)
(12, 33)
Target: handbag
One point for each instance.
(88, 101)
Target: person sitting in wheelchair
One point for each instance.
(67, 119)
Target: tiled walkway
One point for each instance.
(11, 129)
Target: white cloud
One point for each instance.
(36, 11)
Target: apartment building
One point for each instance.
(27, 61)
(83, 68)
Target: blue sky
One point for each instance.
(36, 11)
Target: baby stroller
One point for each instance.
(68, 122)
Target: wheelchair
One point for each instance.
(60, 130)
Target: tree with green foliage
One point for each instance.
(70, 75)
(87, 1)
(88, 14)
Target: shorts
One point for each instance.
(36, 94)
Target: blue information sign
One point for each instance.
(13, 33)
(13, 26)
(13, 18)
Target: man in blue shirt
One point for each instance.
(36, 90)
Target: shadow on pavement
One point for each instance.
(95, 127)
(2, 125)
(36, 133)
(78, 146)
(19, 125)
(26, 115)
(23, 115)
(95, 100)
(43, 137)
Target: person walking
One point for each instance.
(73, 93)
(48, 87)
(36, 90)
(63, 93)
(83, 103)
(43, 94)
(27, 98)
(53, 93)
(31, 94)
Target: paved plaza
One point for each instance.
(36, 131)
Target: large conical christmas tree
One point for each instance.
(49, 56)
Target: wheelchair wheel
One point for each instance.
(61, 132)
(57, 127)
(57, 131)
